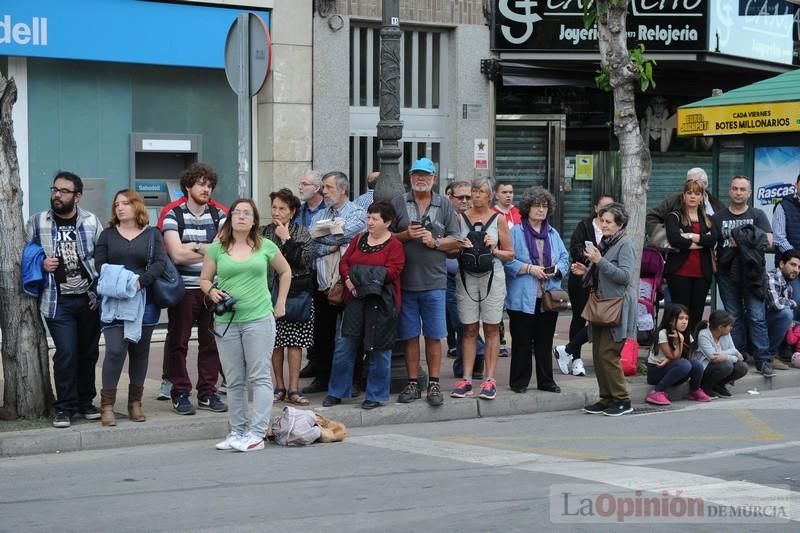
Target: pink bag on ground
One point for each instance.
(630, 357)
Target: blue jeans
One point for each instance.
(749, 312)
(75, 331)
(379, 373)
(795, 284)
(778, 323)
(674, 373)
(427, 307)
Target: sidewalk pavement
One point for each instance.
(163, 425)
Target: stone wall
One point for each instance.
(431, 11)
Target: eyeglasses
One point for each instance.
(463, 198)
(64, 192)
(239, 213)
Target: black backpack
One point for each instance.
(478, 259)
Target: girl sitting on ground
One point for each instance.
(721, 361)
(668, 365)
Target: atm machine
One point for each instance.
(157, 159)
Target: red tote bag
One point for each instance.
(630, 357)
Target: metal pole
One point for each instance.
(390, 128)
(243, 106)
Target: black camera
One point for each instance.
(228, 304)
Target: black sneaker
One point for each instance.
(212, 402)
(61, 419)
(410, 393)
(619, 409)
(721, 391)
(182, 405)
(765, 369)
(330, 401)
(355, 390)
(89, 412)
(434, 396)
(596, 408)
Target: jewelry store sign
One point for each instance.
(774, 117)
(557, 25)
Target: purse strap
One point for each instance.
(150, 248)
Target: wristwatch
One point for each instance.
(436, 244)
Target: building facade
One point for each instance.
(127, 93)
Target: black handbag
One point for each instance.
(167, 290)
(298, 302)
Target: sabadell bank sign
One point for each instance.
(119, 31)
(557, 25)
(32, 32)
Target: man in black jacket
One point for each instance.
(654, 222)
(736, 296)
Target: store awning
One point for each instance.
(768, 106)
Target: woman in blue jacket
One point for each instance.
(539, 263)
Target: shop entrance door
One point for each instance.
(529, 150)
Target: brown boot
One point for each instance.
(135, 413)
(107, 399)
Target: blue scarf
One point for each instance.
(530, 238)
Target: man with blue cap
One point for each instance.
(427, 225)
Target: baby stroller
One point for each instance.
(650, 292)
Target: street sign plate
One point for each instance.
(258, 49)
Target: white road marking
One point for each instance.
(711, 455)
(710, 489)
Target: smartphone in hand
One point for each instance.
(550, 270)
(589, 245)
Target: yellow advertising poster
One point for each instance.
(584, 167)
(772, 117)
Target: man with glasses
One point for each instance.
(426, 224)
(310, 188)
(329, 246)
(68, 234)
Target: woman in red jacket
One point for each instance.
(375, 248)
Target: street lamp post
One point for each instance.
(390, 128)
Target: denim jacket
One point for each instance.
(521, 288)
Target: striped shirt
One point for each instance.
(42, 229)
(199, 229)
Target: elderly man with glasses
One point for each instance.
(68, 234)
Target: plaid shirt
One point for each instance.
(42, 230)
(779, 292)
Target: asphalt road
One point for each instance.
(725, 466)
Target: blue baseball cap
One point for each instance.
(423, 164)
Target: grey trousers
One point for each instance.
(246, 356)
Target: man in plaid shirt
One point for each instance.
(68, 234)
(780, 303)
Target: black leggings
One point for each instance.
(578, 330)
(690, 292)
(116, 350)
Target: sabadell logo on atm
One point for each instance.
(22, 33)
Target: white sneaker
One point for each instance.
(577, 368)
(249, 443)
(562, 358)
(229, 442)
(166, 390)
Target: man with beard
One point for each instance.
(427, 226)
(310, 189)
(189, 228)
(68, 234)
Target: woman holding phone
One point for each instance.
(586, 235)
(540, 261)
